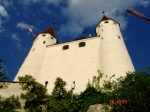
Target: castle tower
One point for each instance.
(113, 53)
(33, 63)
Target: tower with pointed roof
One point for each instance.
(114, 56)
(34, 60)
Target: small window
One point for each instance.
(33, 49)
(99, 35)
(106, 21)
(81, 44)
(114, 23)
(52, 38)
(119, 37)
(43, 35)
(98, 26)
(65, 47)
(44, 42)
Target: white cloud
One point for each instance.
(23, 25)
(80, 14)
(7, 3)
(3, 12)
(3, 17)
(30, 2)
(17, 41)
(86, 13)
(15, 37)
(144, 3)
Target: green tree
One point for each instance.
(89, 97)
(3, 75)
(10, 104)
(35, 96)
(135, 89)
(60, 98)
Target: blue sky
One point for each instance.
(71, 17)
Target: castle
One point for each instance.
(78, 61)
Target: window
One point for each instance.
(106, 21)
(98, 26)
(65, 47)
(102, 30)
(81, 44)
(52, 38)
(44, 42)
(114, 23)
(43, 35)
(119, 37)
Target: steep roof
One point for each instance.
(104, 18)
(50, 31)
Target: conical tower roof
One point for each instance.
(104, 18)
(50, 31)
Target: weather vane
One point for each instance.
(103, 13)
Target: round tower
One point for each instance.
(33, 63)
(114, 56)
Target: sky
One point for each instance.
(71, 18)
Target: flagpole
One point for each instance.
(31, 32)
(124, 13)
(121, 16)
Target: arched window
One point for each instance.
(65, 47)
(106, 21)
(82, 44)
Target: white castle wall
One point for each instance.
(74, 64)
(114, 55)
(33, 63)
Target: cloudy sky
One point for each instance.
(71, 18)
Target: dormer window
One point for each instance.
(65, 47)
(82, 44)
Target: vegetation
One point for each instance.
(35, 95)
(128, 94)
(3, 75)
(10, 104)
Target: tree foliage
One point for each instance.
(10, 104)
(60, 98)
(3, 75)
(35, 94)
(89, 97)
(135, 88)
